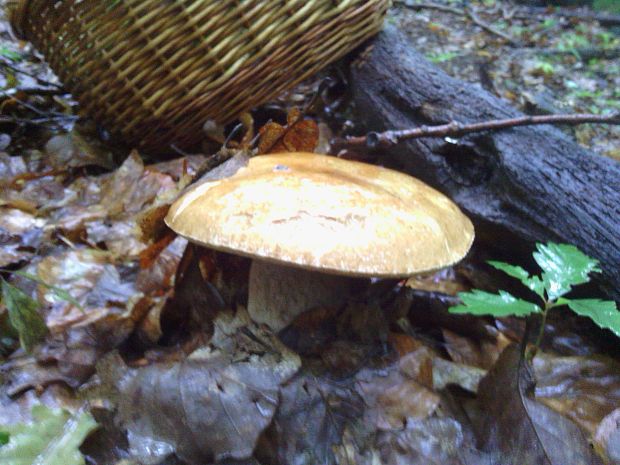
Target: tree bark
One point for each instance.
(520, 185)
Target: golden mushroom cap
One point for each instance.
(328, 214)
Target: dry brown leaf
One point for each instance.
(444, 281)
(607, 436)
(522, 429)
(270, 133)
(211, 406)
(393, 398)
(150, 254)
(481, 353)
(302, 136)
(157, 277)
(584, 388)
(298, 135)
(418, 365)
(403, 343)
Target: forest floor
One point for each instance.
(99, 311)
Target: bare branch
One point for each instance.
(456, 129)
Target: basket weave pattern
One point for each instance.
(154, 71)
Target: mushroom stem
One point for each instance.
(279, 293)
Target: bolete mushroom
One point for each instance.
(311, 221)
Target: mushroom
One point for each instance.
(312, 222)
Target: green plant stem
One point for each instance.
(541, 329)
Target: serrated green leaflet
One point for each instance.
(24, 316)
(603, 312)
(479, 302)
(510, 270)
(563, 266)
(52, 438)
(534, 283)
(4, 438)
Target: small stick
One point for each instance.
(430, 6)
(487, 27)
(605, 19)
(456, 129)
(4, 63)
(468, 12)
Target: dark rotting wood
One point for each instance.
(529, 183)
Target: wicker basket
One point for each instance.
(154, 71)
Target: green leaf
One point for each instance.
(534, 283)
(4, 438)
(479, 302)
(603, 312)
(563, 266)
(59, 292)
(510, 270)
(8, 53)
(24, 316)
(52, 438)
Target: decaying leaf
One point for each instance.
(584, 388)
(52, 438)
(394, 398)
(75, 150)
(607, 437)
(481, 353)
(433, 441)
(522, 429)
(465, 376)
(212, 405)
(299, 135)
(310, 420)
(20, 234)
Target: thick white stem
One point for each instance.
(277, 293)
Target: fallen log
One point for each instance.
(520, 185)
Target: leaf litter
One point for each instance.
(141, 324)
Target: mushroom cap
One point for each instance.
(325, 213)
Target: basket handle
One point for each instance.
(17, 10)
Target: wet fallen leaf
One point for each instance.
(403, 343)
(310, 420)
(75, 150)
(11, 167)
(481, 353)
(584, 388)
(607, 436)
(159, 265)
(212, 405)
(432, 441)
(448, 373)
(393, 398)
(21, 234)
(120, 238)
(524, 430)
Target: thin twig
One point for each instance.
(37, 91)
(468, 12)
(583, 54)
(15, 69)
(430, 6)
(605, 19)
(456, 129)
(37, 121)
(487, 27)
